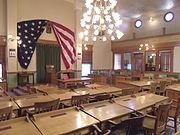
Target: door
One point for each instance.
(137, 63)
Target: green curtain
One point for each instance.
(46, 55)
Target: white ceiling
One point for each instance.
(137, 8)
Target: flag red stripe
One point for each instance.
(65, 39)
(69, 40)
(64, 28)
(66, 63)
(68, 51)
(65, 48)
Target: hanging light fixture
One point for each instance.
(100, 21)
(146, 47)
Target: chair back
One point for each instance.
(127, 91)
(132, 125)
(178, 108)
(163, 85)
(102, 97)
(153, 87)
(162, 115)
(79, 100)
(5, 113)
(41, 107)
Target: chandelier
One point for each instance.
(100, 21)
(146, 47)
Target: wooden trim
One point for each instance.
(51, 42)
(134, 48)
(148, 37)
(64, 71)
(20, 72)
(3, 41)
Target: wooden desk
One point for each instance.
(173, 91)
(50, 89)
(29, 101)
(139, 84)
(74, 81)
(91, 92)
(141, 101)
(110, 90)
(63, 122)
(94, 86)
(104, 110)
(26, 75)
(18, 126)
(64, 96)
(6, 103)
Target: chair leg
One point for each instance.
(175, 124)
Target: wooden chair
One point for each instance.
(153, 88)
(5, 113)
(41, 107)
(79, 100)
(128, 91)
(157, 124)
(132, 125)
(162, 88)
(174, 113)
(102, 97)
(95, 130)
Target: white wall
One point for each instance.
(57, 10)
(3, 20)
(155, 27)
(176, 61)
(102, 55)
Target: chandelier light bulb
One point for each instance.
(96, 32)
(141, 45)
(112, 38)
(86, 48)
(81, 35)
(104, 39)
(94, 39)
(110, 31)
(105, 11)
(119, 34)
(88, 27)
(86, 38)
(86, 32)
(146, 45)
(111, 26)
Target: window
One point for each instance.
(138, 23)
(1, 71)
(150, 61)
(86, 69)
(117, 61)
(127, 61)
(165, 58)
(169, 16)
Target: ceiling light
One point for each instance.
(151, 19)
(146, 47)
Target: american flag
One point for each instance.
(29, 32)
(66, 40)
